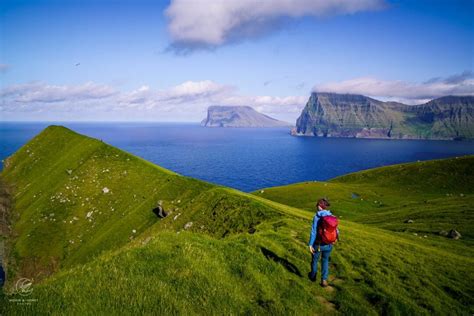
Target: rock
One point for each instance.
(105, 190)
(239, 116)
(188, 225)
(352, 115)
(89, 214)
(69, 171)
(443, 233)
(355, 195)
(146, 241)
(134, 231)
(454, 234)
(159, 211)
(262, 191)
(409, 221)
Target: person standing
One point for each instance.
(324, 233)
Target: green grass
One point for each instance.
(218, 266)
(437, 195)
(57, 189)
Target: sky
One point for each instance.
(168, 61)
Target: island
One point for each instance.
(239, 116)
(352, 115)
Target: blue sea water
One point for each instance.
(246, 159)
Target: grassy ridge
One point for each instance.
(76, 197)
(243, 254)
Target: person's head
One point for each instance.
(322, 204)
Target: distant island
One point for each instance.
(239, 116)
(351, 115)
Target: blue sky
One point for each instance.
(167, 61)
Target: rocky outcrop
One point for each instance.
(238, 116)
(350, 115)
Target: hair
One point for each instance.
(323, 203)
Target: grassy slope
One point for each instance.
(59, 178)
(219, 268)
(437, 195)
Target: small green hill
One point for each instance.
(83, 230)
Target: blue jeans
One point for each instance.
(324, 252)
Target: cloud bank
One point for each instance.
(44, 93)
(408, 92)
(209, 24)
(187, 101)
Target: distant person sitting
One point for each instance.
(324, 233)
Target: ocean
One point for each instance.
(244, 158)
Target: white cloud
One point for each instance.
(460, 84)
(187, 101)
(189, 92)
(42, 92)
(211, 23)
(193, 97)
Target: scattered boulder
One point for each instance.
(443, 233)
(69, 171)
(409, 221)
(188, 225)
(105, 190)
(454, 234)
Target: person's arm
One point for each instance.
(314, 231)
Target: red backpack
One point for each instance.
(327, 229)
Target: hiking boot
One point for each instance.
(324, 283)
(312, 279)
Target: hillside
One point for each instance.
(242, 254)
(76, 197)
(437, 195)
(349, 115)
(239, 116)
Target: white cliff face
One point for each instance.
(239, 116)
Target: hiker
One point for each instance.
(324, 233)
